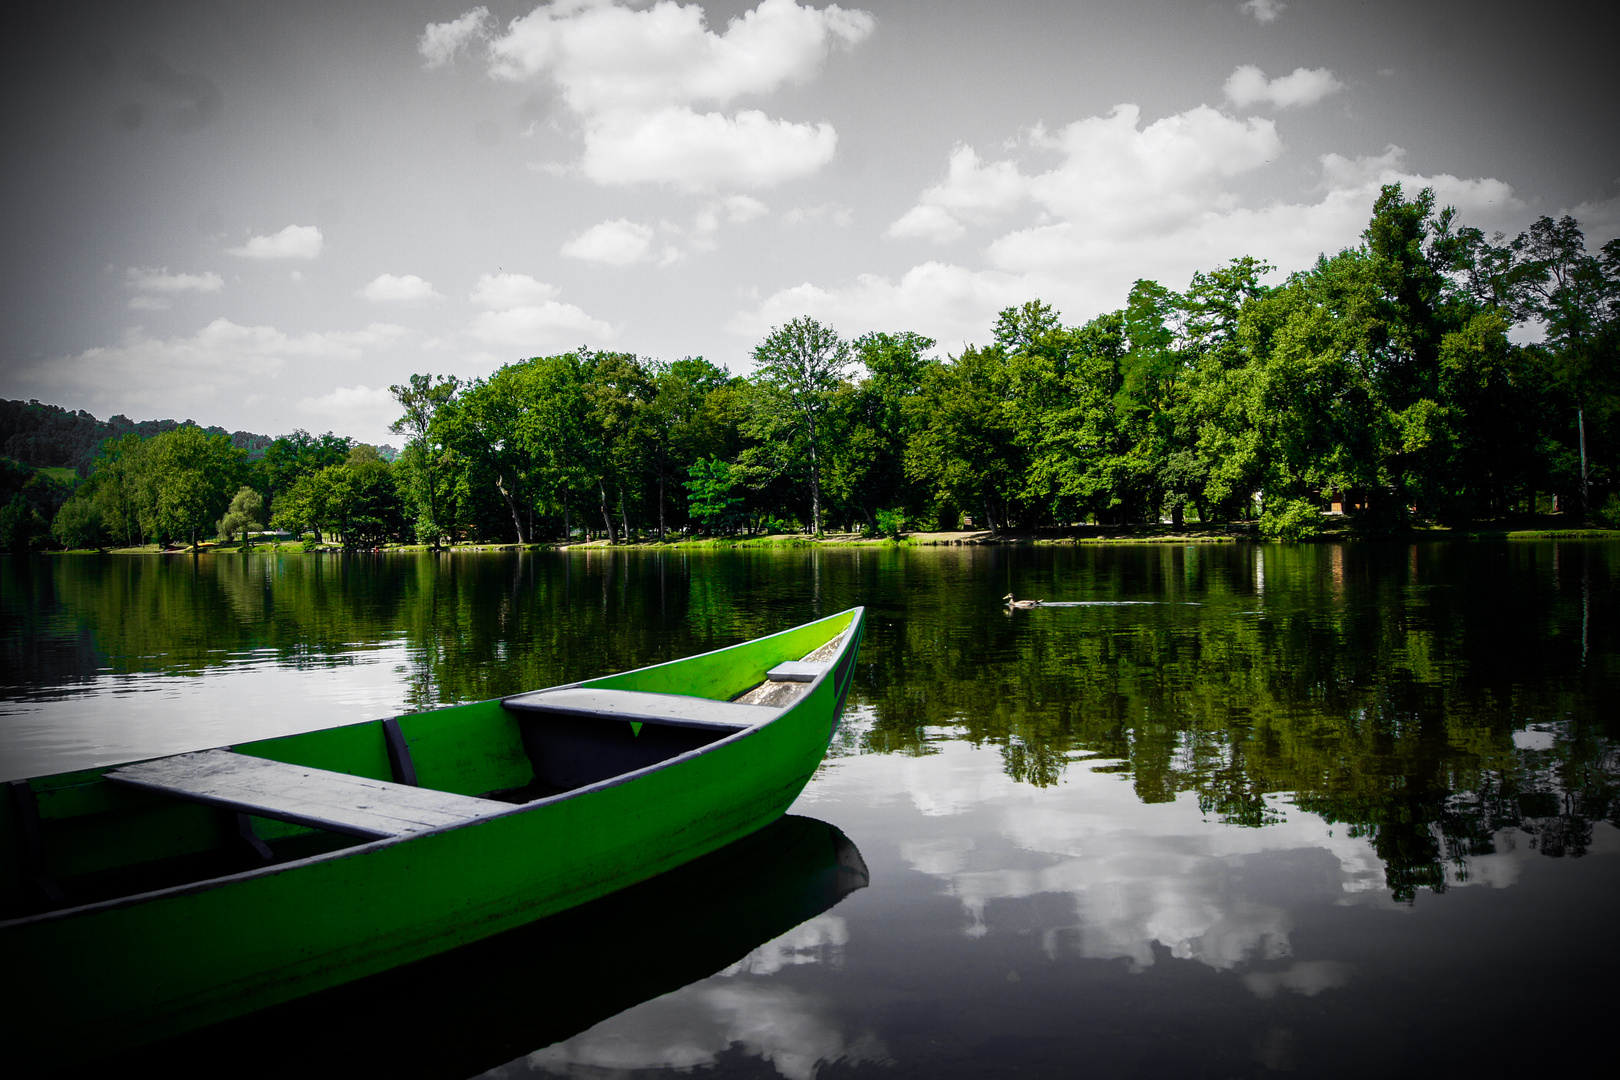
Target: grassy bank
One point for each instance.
(1334, 529)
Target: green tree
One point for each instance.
(307, 506)
(424, 467)
(620, 391)
(189, 479)
(485, 426)
(710, 500)
(118, 487)
(1061, 397)
(686, 421)
(245, 514)
(869, 419)
(78, 524)
(299, 454)
(1576, 298)
(797, 369)
(366, 499)
(964, 446)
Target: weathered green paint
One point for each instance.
(88, 980)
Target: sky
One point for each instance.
(262, 215)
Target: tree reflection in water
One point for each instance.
(1212, 800)
(1424, 696)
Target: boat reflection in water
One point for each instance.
(484, 1004)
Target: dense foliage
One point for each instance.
(51, 436)
(1387, 376)
(1384, 375)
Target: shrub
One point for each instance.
(78, 525)
(1290, 519)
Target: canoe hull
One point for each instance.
(129, 971)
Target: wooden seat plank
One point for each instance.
(639, 706)
(340, 802)
(797, 670)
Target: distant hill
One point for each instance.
(49, 436)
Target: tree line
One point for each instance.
(1398, 374)
(1388, 373)
(41, 435)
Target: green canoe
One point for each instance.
(156, 897)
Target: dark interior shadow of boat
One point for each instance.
(465, 1011)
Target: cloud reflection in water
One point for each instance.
(736, 1010)
(1099, 874)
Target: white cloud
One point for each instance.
(151, 279)
(1263, 11)
(293, 242)
(353, 408)
(542, 326)
(926, 222)
(1123, 201)
(949, 303)
(606, 57)
(1115, 177)
(440, 42)
(741, 209)
(621, 242)
(373, 334)
(392, 287)
(701, 236)
(1599, 218)
(1482, 201)
(700, 151)
(971, 191)
(836, 213)
(188, 374)
(503, 291)
(633, 77)
(611, 243)
(1248, 85)
(525, 312)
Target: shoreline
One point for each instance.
(1072, 537)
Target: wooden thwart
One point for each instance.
(797, 670)
(339, 802)
(676, 710)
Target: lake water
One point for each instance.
(1230, 810)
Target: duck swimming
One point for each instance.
(1021, 603)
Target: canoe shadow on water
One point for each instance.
(494, 1000)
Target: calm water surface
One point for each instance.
(1232, 810)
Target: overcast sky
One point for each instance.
(261, 215)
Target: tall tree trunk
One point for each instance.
(517, 513)
(815, 481)
(602, 503)
(660, 506)
(624, 518)
(1586, 504)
